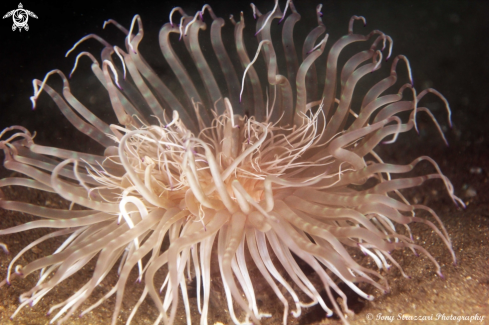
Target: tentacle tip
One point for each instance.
(458, 205)
(320, 14)
(33, 101)
(441, 275)
(454, 263)
(8, 283)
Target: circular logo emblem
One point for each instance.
(20, 17)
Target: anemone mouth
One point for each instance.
(253, 167)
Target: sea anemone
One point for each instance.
(242, 162)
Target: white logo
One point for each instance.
(20, 17)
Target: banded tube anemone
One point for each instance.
(242, 163)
